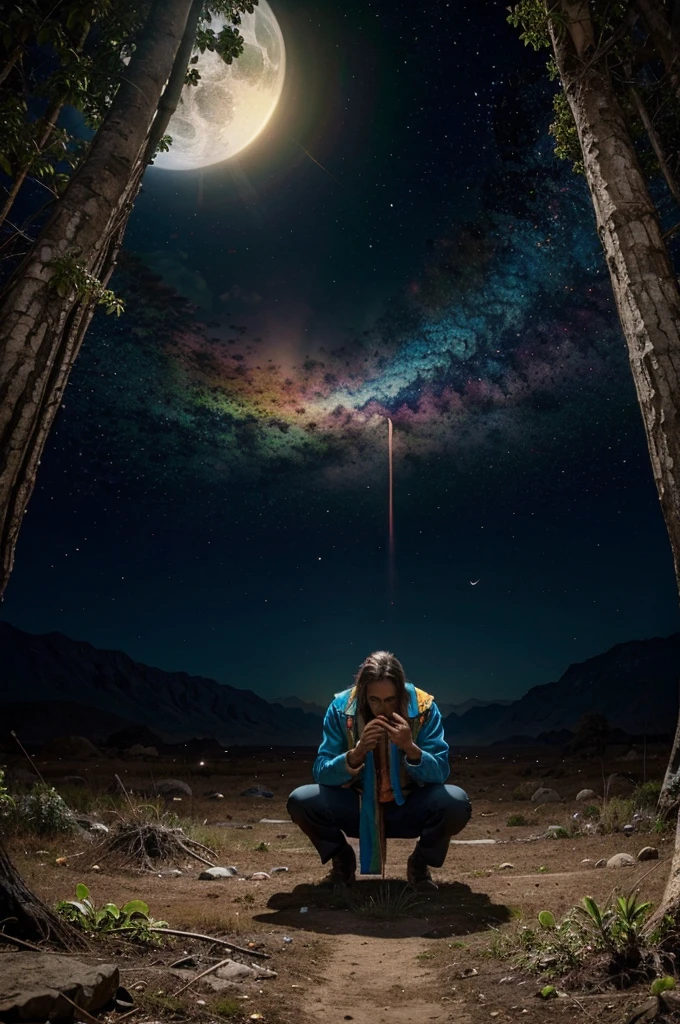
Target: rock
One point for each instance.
(506, 866)
(259, 876)
(544, 795)
(172, 787)
(556, 832)
(601, 863)
(586, 794)
(278, 871)
(628, 830)
(31, 986)
(621, 860)
(137, 750)
(69, 747)
(586, 860)
(211, 874)
(171, 873)
(215, 796)
(233, 971)
(97, 827)
(648, 853)
(260, 791)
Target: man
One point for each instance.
(380, 774)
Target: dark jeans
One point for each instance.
(431, 813)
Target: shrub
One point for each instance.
(591, 811)
(7, 805)
(646, 795)
(524, 791)
(515, 820)
(616, 813)
(43, 811)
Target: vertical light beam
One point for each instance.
(390, 508)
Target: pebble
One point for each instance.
(278, 871)
(505, 867)
(621, 860)
(259, 876)
(601, 863)
(585, 794)
(213, 873)
(648, 853)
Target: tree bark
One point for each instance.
(41, 332)
(24, 916)
(644, 284)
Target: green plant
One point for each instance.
(516, 820)
(616, 813)
(558, 832)
(7, 804)
(228, 1008)
(69, 275)
(43, 811)
(542, 869)
(661, 985)
(646, 795)
(262, 847)
(132, 920)
(390, 901)
(247, 897)
(591, 812)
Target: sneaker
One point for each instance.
(418, 873)
(344, 868)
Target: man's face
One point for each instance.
(382, 698)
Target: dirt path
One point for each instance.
(372, 980)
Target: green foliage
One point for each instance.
(516, 820)
(548, 992)
(132, 920)
(567, 147)
(262, 847)
(530, 16)
(558, 832)
(228, 1008)
(547, 919)
(661, 985)
(617, 925)
(646, 795)
(7, 805)
(43, 812)
(591, 812)
(70, 276)
(616, 813)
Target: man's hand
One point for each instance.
(399, 731)
(370, 738)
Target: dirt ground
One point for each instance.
(334, 961)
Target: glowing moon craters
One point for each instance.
(232, 102)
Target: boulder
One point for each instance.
(648, 853)
(31, 986)
(260, 791)
(621, 860)
(545, 795)
(601, 863)
(234, 971)
(172, 787)
(212, 874)
(586, 794)
(75, 748)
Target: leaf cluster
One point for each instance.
(43, 812)
(69, 276)
(132, 920)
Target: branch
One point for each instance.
(211, 938)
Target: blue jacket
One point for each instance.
(340, 735)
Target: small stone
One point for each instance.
(628, 830)
(586, 860)
(544, 795)
(507, 866)
(171, 873)
(601, 863)
(215, 796)
(469, 972)
(211, 874)
(259, 876)
(278, 871)
(95, 867)
(648, 853)
(621, 860)
(585, 794)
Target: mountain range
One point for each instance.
(69, 686)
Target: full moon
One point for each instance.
(232, 103)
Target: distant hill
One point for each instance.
(53, 668)
(40, 721)
(303, 705)
(635, 685)
(472, 702)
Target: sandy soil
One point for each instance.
(342, 964)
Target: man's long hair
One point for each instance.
(379, 666)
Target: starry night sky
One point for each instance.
(213, 497)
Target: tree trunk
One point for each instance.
(24, 916)
(40, 332)
(644, 284)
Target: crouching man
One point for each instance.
(380, 775)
